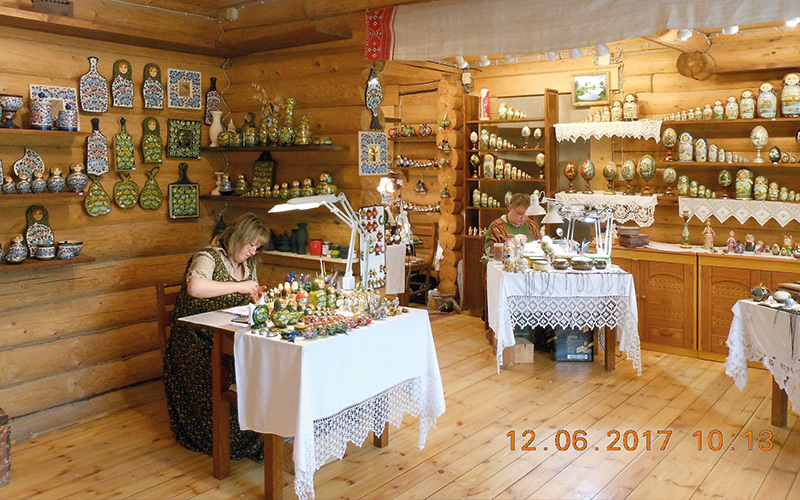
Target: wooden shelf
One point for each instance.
(494, 209)
(244, 201)
(516, 120)
(481, 179)
(30, 264)
(307, 261)
(730, 166)
(40, 199)
(405, 169)
(274, 149)
(430, 138)
(776, 126)
(511, 150)
(30, 138)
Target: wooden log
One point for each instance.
(456, 119)
(451, 257)
(452, 176)
(449, 241)
(272, 66)
(41, 422)
(42, 360)
(697, 65)
(451, 223)
(447, 273)
(451, 205)
(450, 86)
(67, 387)
(447, 286)
(697, 42)
(447, 102)
(38, 322)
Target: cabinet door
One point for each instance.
(771, 279)
(632, 266)
(720, 288)
(666, 303)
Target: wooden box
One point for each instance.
(57, 7)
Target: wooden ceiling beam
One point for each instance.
(16, 18)
(260, 39)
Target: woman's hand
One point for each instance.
(204, 288)
(253, 289)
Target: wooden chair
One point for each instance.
(429, 242)
(166, 294)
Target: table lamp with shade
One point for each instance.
(340, 207)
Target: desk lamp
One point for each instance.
(344, 212)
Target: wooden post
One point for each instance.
(382, 441)
(611, 348)
(221, 411)
(780, 405)
(273, 466)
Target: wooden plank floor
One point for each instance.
(572, 405)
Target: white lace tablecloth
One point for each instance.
(741, 210)
(570, 299)
(326, 392)
(771, 336)
(639, 209)
(641, 129)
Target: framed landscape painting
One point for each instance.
(591, 90)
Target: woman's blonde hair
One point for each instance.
(246, 229)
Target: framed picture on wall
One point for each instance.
(591, 89)
(373, 153)
(183, 89)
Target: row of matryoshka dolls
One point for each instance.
(691, 149)
(750, 106)
(619, 111)
(746, 188)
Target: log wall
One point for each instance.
(80, 340)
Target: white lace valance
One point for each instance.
(741, 210)
(641, 129)
(639, 209)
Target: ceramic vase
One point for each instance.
(41, 113)
(56, 182)
(302, 238)
(77, 180)
(38, 184)
(10, 104)
(226, 187)
(216, 128)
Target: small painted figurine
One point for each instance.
(749, 243)
(731, 243)
(788, 244)
(759, 247)
(708, 235)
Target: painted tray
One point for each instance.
(373, 97)
(123, 148)
(183, 138)
(184, 196)
(122, 85)
(183, 89)
(152, 88)
(38, 232)
(28, 164)
(96, 150)
(151, 197)
(213, 101)
(93, 89)
(97, 201)
(126, 191)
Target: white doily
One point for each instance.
(769, 336)
(331, 434)
(639, 209)
(641, 129)
(741, 210)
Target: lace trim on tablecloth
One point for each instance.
(741, 349)
(331, 434)
(741, 210)
(641, 129)
(576, 312)
(639, 209)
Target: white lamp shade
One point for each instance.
(730, 30)
(461, 62)
(386, 186)
(793, 22)
(535, 209)
(551, 56)
(552, 216)
(602, 49)
(575, 53)
(484, 61)
(684, 34)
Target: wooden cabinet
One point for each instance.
(726, 279)
(542, 111)
(666, 297)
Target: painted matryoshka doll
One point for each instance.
(616, 112)
(790, 95)
(683, 185)
(700, 150)
(719, 110)
(630, 110)
(747, 105)
(744, 184)
(767, 102)
(685, 147)
(760, 188)
(731, 109)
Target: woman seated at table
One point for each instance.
(218, 277)
(513, 224)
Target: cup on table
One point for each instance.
(315, 247)
(45, 252)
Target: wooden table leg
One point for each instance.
(273, 467)
(220, 412)
(780, 405)
(383, 440)
(611, 348)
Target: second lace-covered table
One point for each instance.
(570, 299)
(639, 209)
(741, 210)
(771, 337)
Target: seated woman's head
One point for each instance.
(517, 207)
(244, 238)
